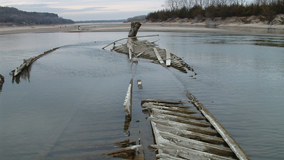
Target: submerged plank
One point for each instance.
(182, 120)
(171, 108)
(197, 145)
(189, 134)
(171, 149)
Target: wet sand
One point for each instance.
(147, 27)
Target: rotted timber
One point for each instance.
(184, 133)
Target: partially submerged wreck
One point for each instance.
(28, 62)
(180, 131)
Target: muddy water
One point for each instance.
(69, 105)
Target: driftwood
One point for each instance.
(134, 29)
(28, 62)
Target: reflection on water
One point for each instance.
(69, 105)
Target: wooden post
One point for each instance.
(134, 29)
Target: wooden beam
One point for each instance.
(168, 58)
(170, 148)
(189, 134)
(129, 37)
(219, 128)
(158, 55)
(183, 126)
(127, 105)
(197, 145)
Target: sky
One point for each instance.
(88, 9)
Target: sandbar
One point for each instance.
(148, 27)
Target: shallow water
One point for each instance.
(69, 106)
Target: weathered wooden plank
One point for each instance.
(129, 153)
(197, 145)
(168, 108)
(190, 134)
(158, 55)
(163, 156)
(223, 132)
(170, 148)
(219, 128)
(182, 120)
(189, 116)
(168, 57)
(177, 114)
(183, 126)
(127, 105)
(173, 105)
(159, 101)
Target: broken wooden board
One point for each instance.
(158, 56)
(168, 58)
(185, 133)
(127, 105)
(135, 152)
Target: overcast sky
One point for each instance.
(88, 9)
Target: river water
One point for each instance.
(69, 104)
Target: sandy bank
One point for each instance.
(148, 27)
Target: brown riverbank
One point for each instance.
(256, 28)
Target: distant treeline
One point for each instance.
(14, 16)
(201, 9)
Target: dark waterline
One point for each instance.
(70, 107)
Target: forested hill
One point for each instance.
(12, 15)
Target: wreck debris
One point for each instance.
(28, 62)
(124, 143)
(139, 83)
(168, 58)
(134, 29)
(144, 49)
(130, 151)
(127, 38)
(2, 80)
(221, 130)
(127, 105)
(158, 56)
(135, 152)
(180, 135)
